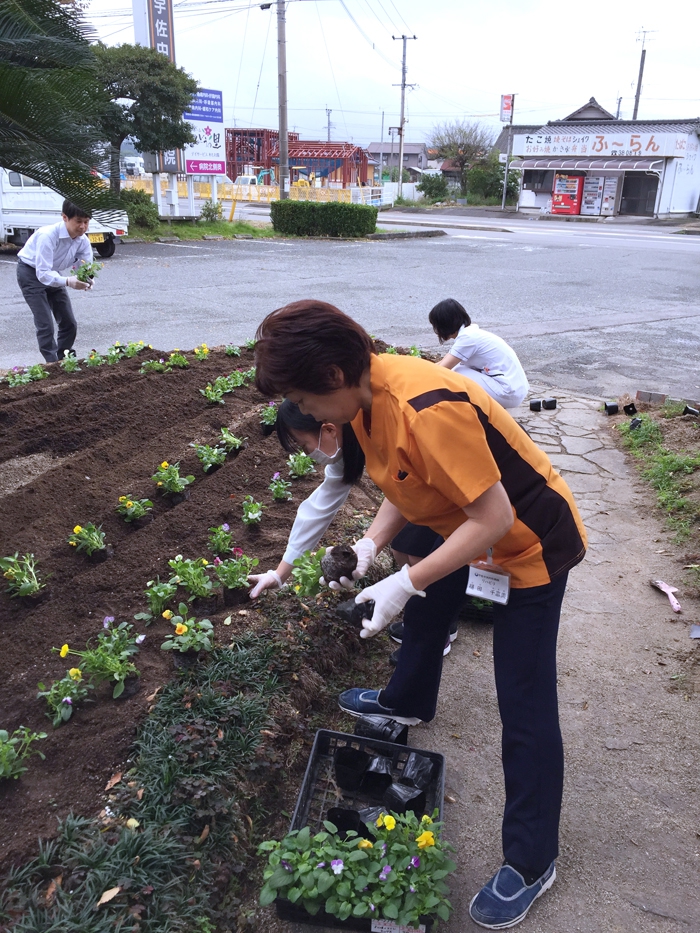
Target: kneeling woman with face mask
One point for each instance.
(335, 448)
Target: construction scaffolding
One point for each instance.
(319, 164)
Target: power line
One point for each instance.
(267, 36)
(330, 62)
(240, 63)
(367, 38)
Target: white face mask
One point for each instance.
(321, 457)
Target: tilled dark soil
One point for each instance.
(103, 433)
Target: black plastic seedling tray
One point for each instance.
(319, 792)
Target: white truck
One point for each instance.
(26, 205)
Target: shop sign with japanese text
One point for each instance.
(206, 156)
(601, 145)
(160, 26)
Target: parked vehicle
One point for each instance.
(26, 205)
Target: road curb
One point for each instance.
(422, 223)
(408, 235)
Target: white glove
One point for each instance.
(390, 595)
(270, 580)
(74, 282)
(366, 551)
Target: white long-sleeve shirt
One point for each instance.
(51, 249)
(315, 514)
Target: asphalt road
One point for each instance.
(598, 309)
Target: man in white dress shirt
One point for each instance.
(48, 251)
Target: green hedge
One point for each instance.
(141, 210)
(308, 218)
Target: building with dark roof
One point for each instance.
(591, 163)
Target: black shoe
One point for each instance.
(396, 632)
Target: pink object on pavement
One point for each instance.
(669, 591)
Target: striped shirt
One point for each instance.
(435, 441)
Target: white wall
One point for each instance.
(409, 190)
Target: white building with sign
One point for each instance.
(592, 164)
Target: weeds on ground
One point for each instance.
(665, 470)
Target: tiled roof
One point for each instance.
(518, 130)
(412, 148)
(688, 125)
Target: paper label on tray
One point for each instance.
(388, 926)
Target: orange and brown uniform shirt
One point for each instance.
(435, 441)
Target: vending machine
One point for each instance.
(566, 195)
(592, 194)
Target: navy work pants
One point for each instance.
(47, 303)
(524, 652)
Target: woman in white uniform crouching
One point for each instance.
(478, 354)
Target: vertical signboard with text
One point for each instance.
(507, 108)
(206, 156)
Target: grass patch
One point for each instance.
(666, 471)
(195, 230)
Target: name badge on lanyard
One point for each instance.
(488, 581)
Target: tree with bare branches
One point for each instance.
(463, 143)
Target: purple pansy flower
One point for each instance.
(384, 872)
(321, 865)
(337, 865)
(225, 527)
(67, 701)
(107, 621)
(276, 475)
(285, 864)
(415, 862)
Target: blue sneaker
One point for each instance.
(506, 899)
(359, 702)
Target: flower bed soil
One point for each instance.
(71, 445)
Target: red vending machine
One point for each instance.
(566, 195)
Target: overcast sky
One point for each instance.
(340, 55)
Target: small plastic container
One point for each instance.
(535, 404)
(549, 404)
(630, 409)
(612, 408)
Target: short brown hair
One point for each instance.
(297, 346)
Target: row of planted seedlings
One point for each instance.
(197, 581)
(23, 375)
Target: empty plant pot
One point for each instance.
(105, 553)
(417, 772)
(535, 404)
(371, 814)
(635, 423)
(350, 765)
(379, 727)
(353, 613)
(235, 596)
(611, 408)
(377, 778)
(176, 498)
(630, 409)
(549, 404)
(402, 799)
(688, 410)
(348, 821)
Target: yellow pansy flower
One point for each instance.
(205, 561)
(380, 820)
(364, 844)
(122, 498)
(159, 483)
(180, 629)
(129, 504)
(64, 650)
(77, 529)
(425, 839)
(164, 465)
(73, 543)
(168, 614)
(389, 822)
(140, 343)
(426, 819)
(75, 673)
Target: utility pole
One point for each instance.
(282, 98)
(381, 153)
(644, 34)
(510, 148)
(402, 119)
(619, 104)
(328, 116)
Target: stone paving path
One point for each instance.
(630, 832)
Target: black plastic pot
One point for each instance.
(142, 522)
(205, 605)
(132, 685)
(186, 660)
(267, 429)
(549, 404)
(377, 777)
(401, 799)
(235, 596)
(353, 613)
(535, 404)
(379, 727)
(611, 408)
(105, 553)
(350, 765)
(635, 423)
(688, 410)
(630, 409)
(31, 602)
(417, 772)
(371, 814)
(176, 498)
(348, 820)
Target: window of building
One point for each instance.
(538, 180)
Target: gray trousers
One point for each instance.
(47, 303)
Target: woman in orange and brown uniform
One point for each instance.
(450, 459)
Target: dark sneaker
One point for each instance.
(506, 899)
(396, 632)
(359, 702)
(394, 656)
